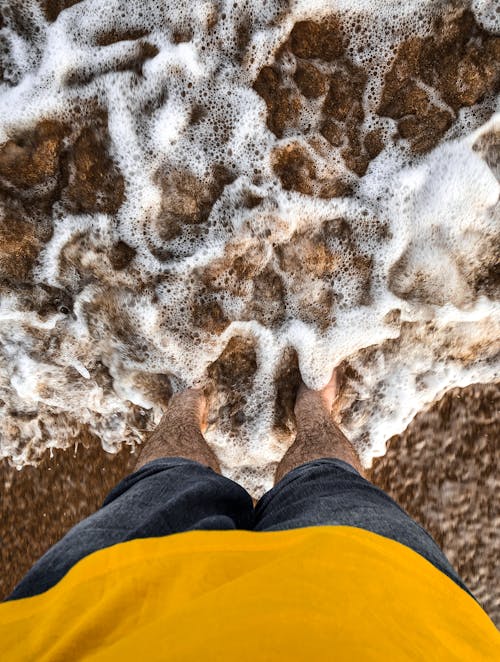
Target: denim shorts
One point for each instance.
(174, 495)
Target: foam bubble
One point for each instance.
(226, 195)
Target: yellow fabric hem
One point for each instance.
(317, 593)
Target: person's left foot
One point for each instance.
(180, 432)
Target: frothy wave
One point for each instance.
(229, 193)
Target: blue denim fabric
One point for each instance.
(173, 495)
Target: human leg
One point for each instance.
(180, 432)
(174, 488)
(318, 435)
(319, 484)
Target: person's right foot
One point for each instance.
(318, 436)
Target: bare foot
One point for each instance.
(180, 432)
(318, 436)
(329, 393)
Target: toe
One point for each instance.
(330, 392)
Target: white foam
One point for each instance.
(88, 368)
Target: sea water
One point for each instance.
(234, 221)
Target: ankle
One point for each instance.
(315, 425)
(309, 404)
(179, 433)
(318, 436)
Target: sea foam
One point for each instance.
(255, 204)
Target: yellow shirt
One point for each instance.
(319, 593)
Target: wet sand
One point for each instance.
(442, 470)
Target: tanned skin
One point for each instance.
(318, 435)
(180, 431)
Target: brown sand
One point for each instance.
(444, 471)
